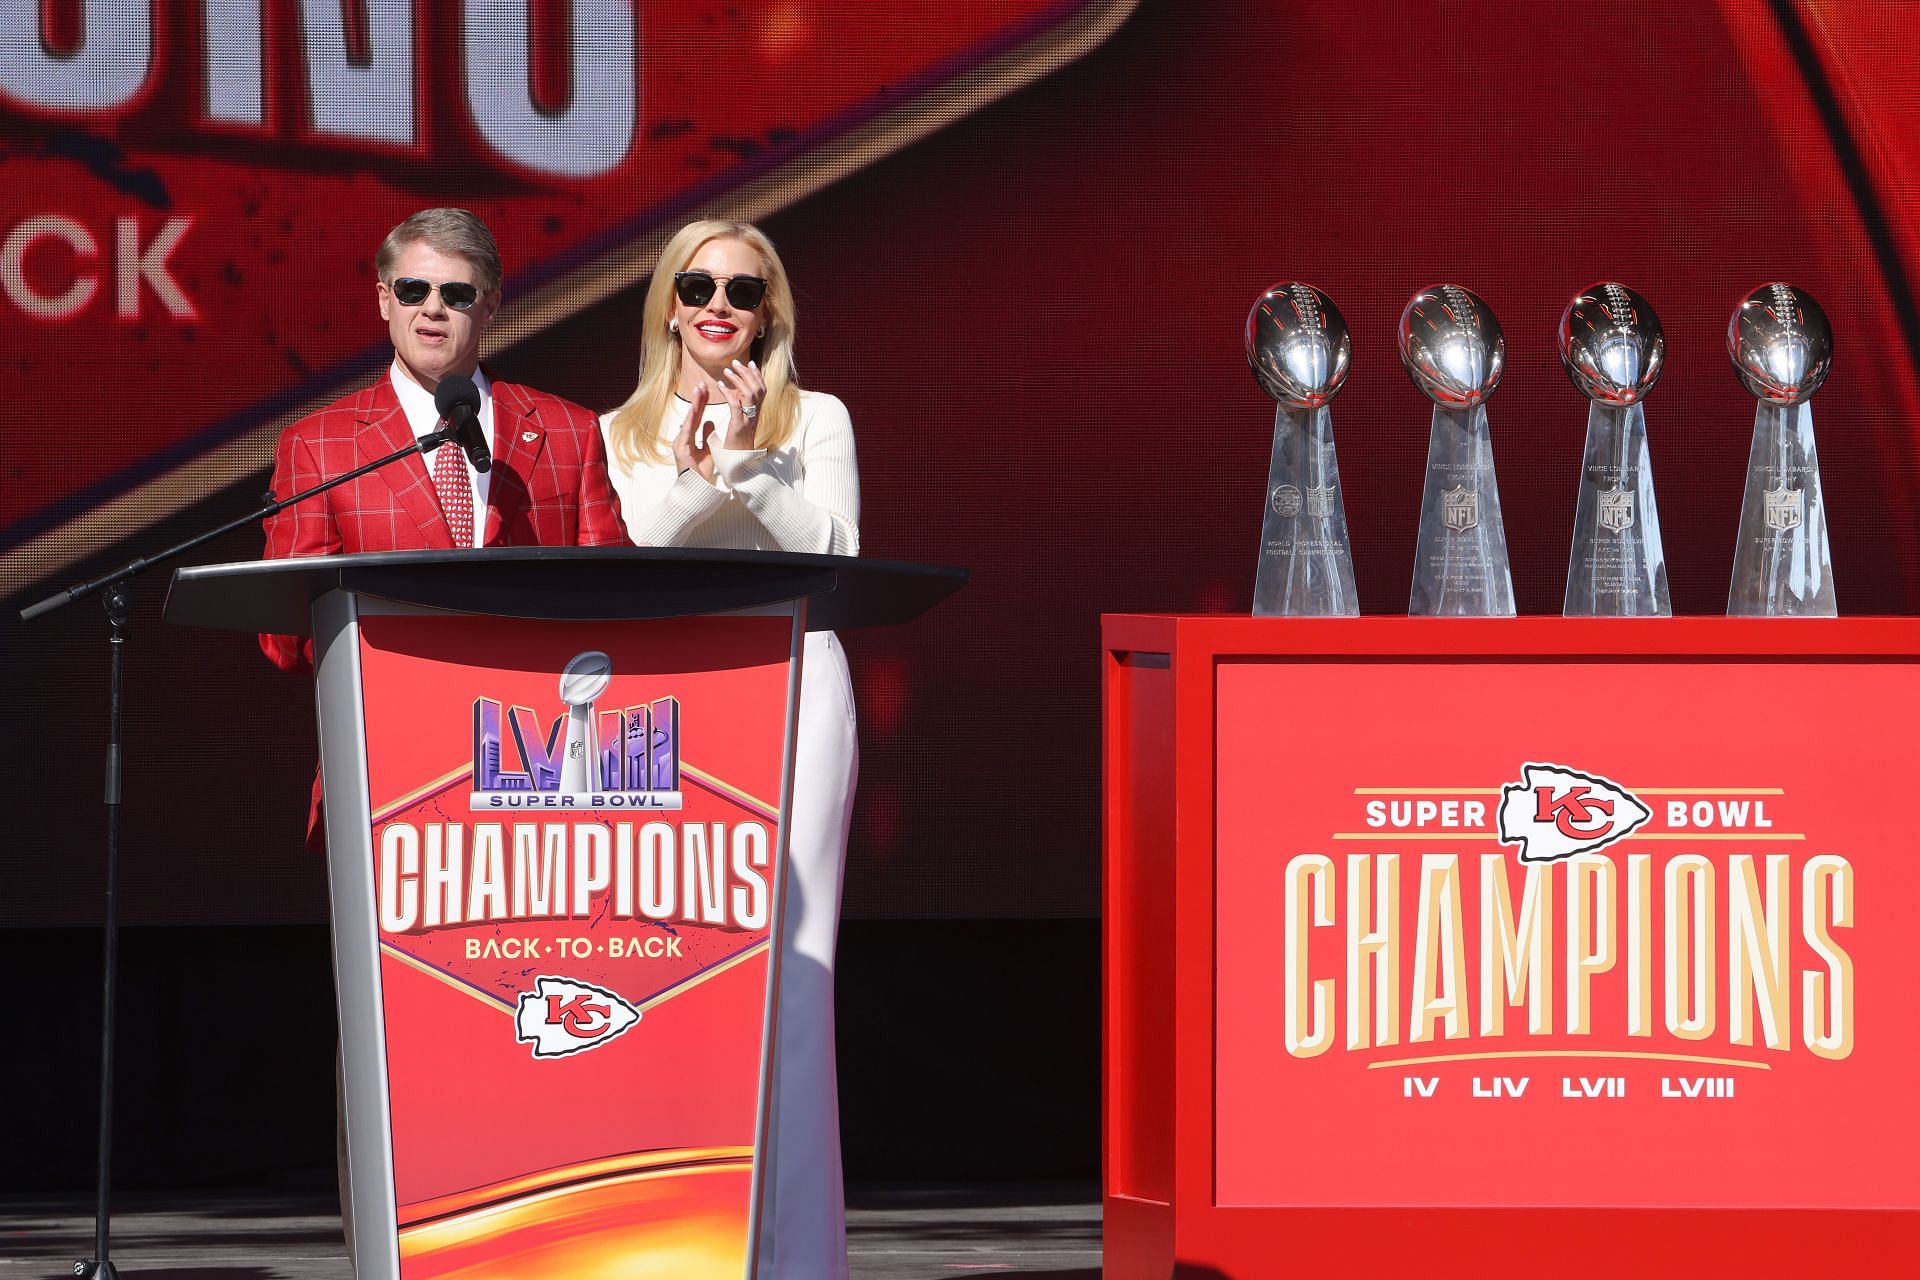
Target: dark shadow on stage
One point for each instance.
(1029, 1229)
(176, 1227)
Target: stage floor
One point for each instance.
(893, 1233)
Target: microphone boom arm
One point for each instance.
(133, 568)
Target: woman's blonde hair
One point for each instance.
(634, 428)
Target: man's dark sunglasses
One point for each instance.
(412, 291)
(696, 289)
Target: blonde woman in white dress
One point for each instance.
(719, 447)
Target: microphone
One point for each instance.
(458, 401)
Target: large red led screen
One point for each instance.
(1024, 235)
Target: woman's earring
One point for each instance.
(762, 333)
(673, 326)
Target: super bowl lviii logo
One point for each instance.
(624, 758)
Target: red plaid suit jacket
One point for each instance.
(548, 487)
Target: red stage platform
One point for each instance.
(1487, 947)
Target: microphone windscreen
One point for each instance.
(456, 389)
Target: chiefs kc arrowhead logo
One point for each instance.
(1554, 812)
(561, 1017)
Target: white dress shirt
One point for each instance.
(417, 402)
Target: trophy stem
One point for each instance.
(580, 770)
(1460, 567)
(1782, 564)
(1306, 560)
(1617, 568)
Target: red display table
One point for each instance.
(1509, 947)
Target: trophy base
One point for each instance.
(1782, 564)
(1617, 568)
(1460, 567)
(1306, 560)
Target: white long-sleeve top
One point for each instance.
(803, 496)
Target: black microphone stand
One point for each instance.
(117, 598)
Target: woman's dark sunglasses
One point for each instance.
(412, 291)
(696, 289)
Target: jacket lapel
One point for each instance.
(383, 429)
(517, 441)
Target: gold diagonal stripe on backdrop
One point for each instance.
(107, 524)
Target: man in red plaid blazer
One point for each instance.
(439, 287)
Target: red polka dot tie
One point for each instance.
(456, 491)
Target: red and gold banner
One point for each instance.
(576, 829)
(1536, 934)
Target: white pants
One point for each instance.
(803, 1219)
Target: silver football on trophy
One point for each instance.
(1452, 346)
(1612, 344)
(1780, 344)
(1297, 345)
(585, 678)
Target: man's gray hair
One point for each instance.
(454, 232)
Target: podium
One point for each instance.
(555, 782)
(1511, 946)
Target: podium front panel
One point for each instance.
(556, 885)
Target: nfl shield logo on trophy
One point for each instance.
(1320, 502)
(1784, 508)
(1616, 510)
(1459, 508)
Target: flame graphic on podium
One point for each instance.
(649, 1215)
